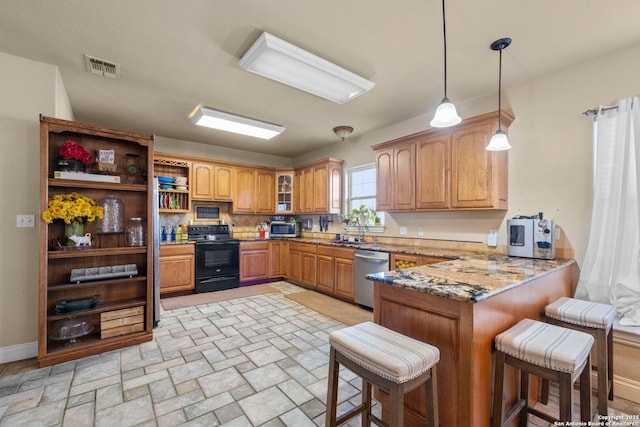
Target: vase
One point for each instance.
(75, 228)
(70, 165)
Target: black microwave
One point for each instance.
(284, 229)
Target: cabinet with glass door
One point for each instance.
(284, 192)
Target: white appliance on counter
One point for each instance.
(531, 237)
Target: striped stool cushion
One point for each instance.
(384, 352)
(581, 312)
(546, 345)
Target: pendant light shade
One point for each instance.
(499, 141)
(343, 131)
(446, 114)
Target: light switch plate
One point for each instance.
(403, 231)
(25, 221)
(420, 230)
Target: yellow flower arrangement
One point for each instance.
(72, 208)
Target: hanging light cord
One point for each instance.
(500, 93)
(444, 32)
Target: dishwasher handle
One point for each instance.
(372, 258)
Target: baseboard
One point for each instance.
(626, 389)
(18, 352)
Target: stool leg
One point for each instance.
(498, 386)
(566, 396)
(431, 394)
(602, 362)
(544, 392)
(366, 401)
(396, 405)
(524, 395)
(585, 392)
(610, 362)
(332, 390)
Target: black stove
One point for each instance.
(213, 233)
(217, 258)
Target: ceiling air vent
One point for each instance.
(102, 67)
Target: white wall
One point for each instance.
(29, 89)
(550, 163)
(188, 148)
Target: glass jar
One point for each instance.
(135, 232)
(113, 221)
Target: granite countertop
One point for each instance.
(472, 278)
(463, 275)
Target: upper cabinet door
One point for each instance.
(404, 195)
(202, 185)
(222, 183)
(244, 194)
(433, 172)
(265, 189)
(472, 167)
(384, 183)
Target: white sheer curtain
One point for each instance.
(611, 267)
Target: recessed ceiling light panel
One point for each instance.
(283, 62)
(220, 120)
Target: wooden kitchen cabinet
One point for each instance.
(222, 182)
(278, 255)
(433, 177)
(444, 169)
(177, 268)
(253, 190)
(479, 178)
(318, 187)
(107, 297)
(254, 261)
(302, 264)
(336, 271)
(202, 181)
(395, 182)
(284, 192)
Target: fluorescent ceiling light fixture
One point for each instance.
(215, 119)
(283, 62)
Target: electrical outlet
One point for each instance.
(403, 231)
(492, 238)
(420, 231)
(25, 221)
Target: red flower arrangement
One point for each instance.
(72, 150)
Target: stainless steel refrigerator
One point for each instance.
(155, 239)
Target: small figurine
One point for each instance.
(81, 240)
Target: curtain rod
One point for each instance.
(595, 111)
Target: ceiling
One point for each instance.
(175, 55)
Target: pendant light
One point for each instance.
(446, 114)
(499, 141)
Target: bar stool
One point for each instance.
(547, 351)
(385, 358)
(597, 320)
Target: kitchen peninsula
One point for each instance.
(460, 306)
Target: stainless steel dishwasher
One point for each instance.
(368, 262)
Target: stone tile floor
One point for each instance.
(252, 361)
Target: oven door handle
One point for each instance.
(216, 279)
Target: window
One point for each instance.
(361, 186)
(361, 190)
